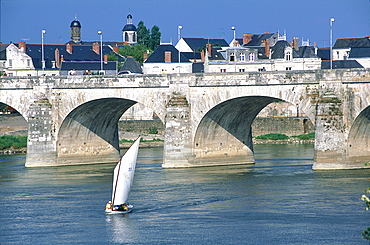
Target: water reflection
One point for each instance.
(121, 229)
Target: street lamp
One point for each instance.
(42, 51)
(331, 43)
(233, 28)
(101, 52)
(179, 36)
(234, 44)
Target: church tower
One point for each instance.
(129, 31)
(75, 31)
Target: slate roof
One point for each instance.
(131, 65)
(158, 55)
(359, 53)
(323, 53)
(197, 44)
(3, 51)
(363, 42)
(257, 39)
(87, 65)
(341, 64)
(79, 53)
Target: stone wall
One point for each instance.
(284, 125)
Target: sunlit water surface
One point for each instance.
(279, 200)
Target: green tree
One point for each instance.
(155, 38)
(136, 51)
(143, 34)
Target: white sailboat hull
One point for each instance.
(130, 207)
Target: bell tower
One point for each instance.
(75, 31)
(129, 31)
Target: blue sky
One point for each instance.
(306, 19)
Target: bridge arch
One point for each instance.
(224, 134)
(89, 133)
(358, 144)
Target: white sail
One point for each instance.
(124, 174)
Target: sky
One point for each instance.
(23, 20)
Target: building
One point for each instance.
(165, 60)
(267, 52)
(355, 49)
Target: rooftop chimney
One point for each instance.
(167, 56)
(96, 47)
(267, 48)
(202, 55)
(145, 56)
(115, 48)
(22, 46)
(69, 48)
(247, 37)
(209, 49)
(106, 59)
(295, 43)
(57, 57)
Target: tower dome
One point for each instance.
(129, 31)
(75, 31)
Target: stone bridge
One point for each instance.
(207, 117)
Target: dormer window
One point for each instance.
(251, 57)
(242, 57)
(232, 56)
(288, 56)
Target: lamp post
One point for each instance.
(331, 43)
(101, 52)
(234, 44)
(42, 52)
(179, 36)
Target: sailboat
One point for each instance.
(122, 181)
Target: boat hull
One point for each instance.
(130, 207)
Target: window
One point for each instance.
(242, 57)
(241, 70)
(223, 70)
(288, 68)
(52, 64)
(232, 57)
(288, 56)
(10, 62)
(28, 62)
(251, 57)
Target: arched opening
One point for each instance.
(90, 133)
(13, 130)
(359, 139)
(224, 135)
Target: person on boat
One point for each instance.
(108, 206)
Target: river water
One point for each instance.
(279, 200)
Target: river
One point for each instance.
(279, 200)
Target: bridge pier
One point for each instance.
(41, 148)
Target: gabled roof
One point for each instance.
(362, 42)
(159, 54)
(278, 51)
(341, 64)
(131, 65)
(197, 44)
(359, 53)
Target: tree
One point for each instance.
(155, 38)
(136, 51)
(143, 34)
